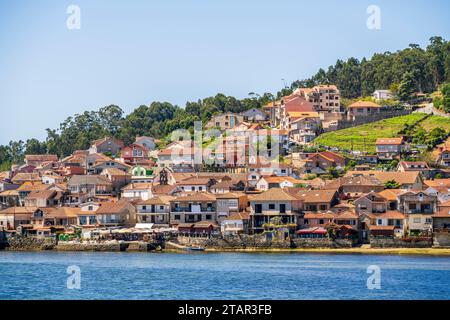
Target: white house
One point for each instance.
(382, 94)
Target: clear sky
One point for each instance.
(134, 52)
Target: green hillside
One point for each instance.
(368, 133)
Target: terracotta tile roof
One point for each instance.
(42, 194)
(346, 215)
(392, 214)
(365, 181)
(18, 210)
(384, 176)
(382, 228)
(88, 179)
(394, 141)
(273, 194)
(239, 216)
(390, 194)
(113, 207)
(364, 104)
(138, 186)
(198, 196)
(163, 189)
(156, 201)
(438, 183)
(319, 215)
(298, 104)
(41, 157)
(314, 196)
(23, 177)
(194, 181)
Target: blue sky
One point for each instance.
(134, 52)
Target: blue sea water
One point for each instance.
(43, 275)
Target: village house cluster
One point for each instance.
(138, 188)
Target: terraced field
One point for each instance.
(363, 137)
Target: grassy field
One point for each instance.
(363, 137)
(436, 122)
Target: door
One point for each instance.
(282, 208)
(258, 208)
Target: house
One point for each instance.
(303, 128)
(228, 185)
(317, 200)
(120, 213)
(406, 180)
(391, 196)
(44, 198)
(389, 148)
(237, 223)
(21, 178)
(155, 210)
(37, 160)
(46, 217)
(192, 208)
(419, 207)
(441, 218)
(389, 223)
(267, 182)
(135, 154)
(354, 187)
(9, 198)
(272, 203)
(99, 166)
(230, 203)
(316, 219)
(320, 162)
(382, 95)
(148, 143)
(421, 166)
(268, 168)
(443, 158)
(196, 184)
(325, 98)
(12, 218)
(139, 190)
(371, 202)
(87, 215)
(361, 109)
(254, 115)
(119, 178)
(106, 145)
(52, 178)
(88, 186)
(225, 121)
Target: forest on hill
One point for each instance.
(405, 72)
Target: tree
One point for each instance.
(392, 184)
(407, 87)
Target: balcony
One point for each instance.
(193, 209)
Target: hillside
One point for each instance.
(363, 137)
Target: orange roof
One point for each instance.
(395, 141)
(364, 104)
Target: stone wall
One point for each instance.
(382, 242)
(441, 239)
(69, 246)
(322, 243)
(260, 241)
(28, 243)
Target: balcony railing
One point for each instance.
(192, 210)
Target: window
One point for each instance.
(177, 217)
(320, 221)
(379, 222)
(271, 206)
(323, 207)
(200, 188)
(161, 207)
(417, 220)
(208, 217)
(144, 207)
